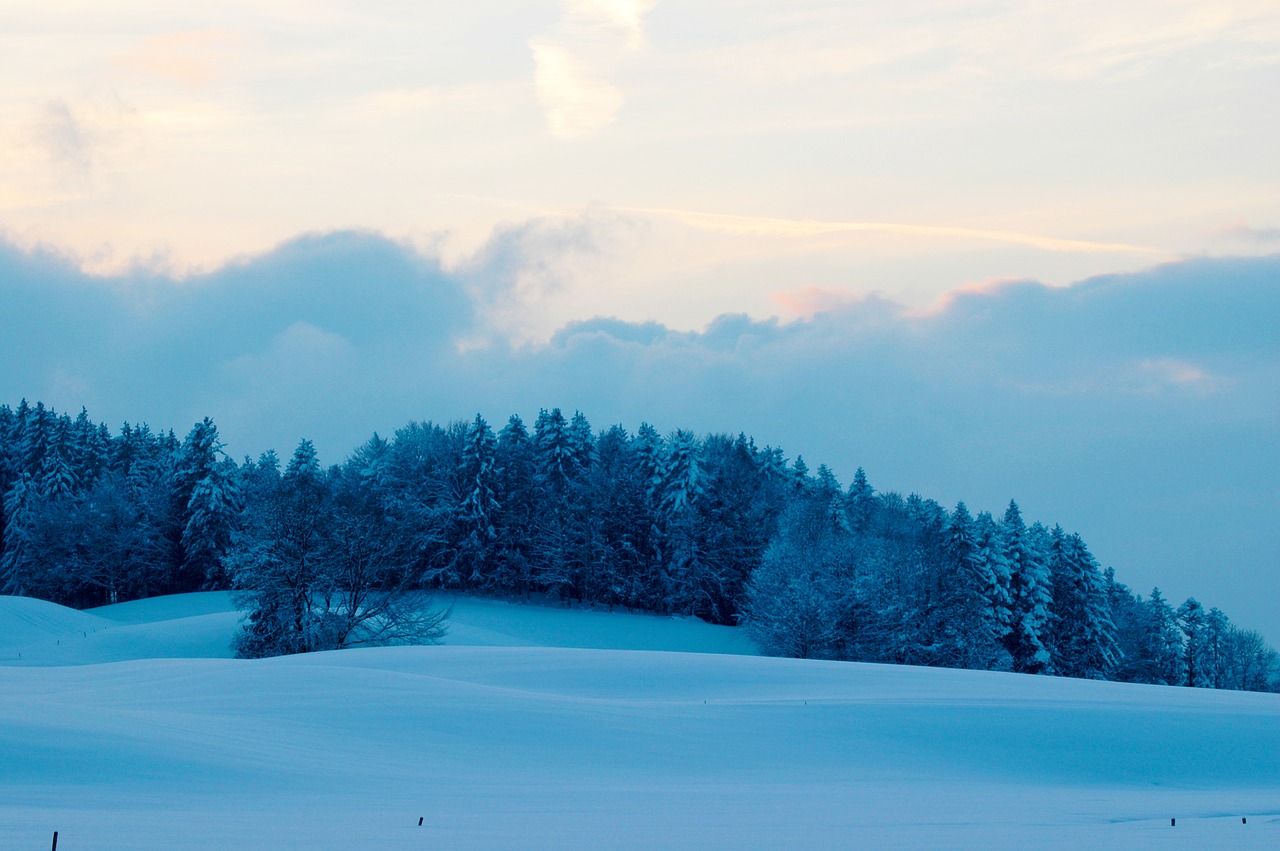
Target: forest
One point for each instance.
(713, 527)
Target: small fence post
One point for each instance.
(55, 840)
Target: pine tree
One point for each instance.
(278, 566)
(861, 501)
(996, 578)
(800, 472)
(1217, 629)
(210, 505)
(682, 554)
(555, 452)
(825, 480)
(516, 494)
(971, 626)
(1191, 618)
(581, 444)
(16, 562)
(649, 450)
(1030, 597)
(57, 480)
(1164, 646)
(479, 508)
(555, 556)
(1084, 635)
(794, 599)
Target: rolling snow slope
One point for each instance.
(572, 747)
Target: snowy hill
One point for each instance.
(201, 626)
(498, 745)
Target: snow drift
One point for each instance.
(554, 747)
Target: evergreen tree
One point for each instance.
(17, 561)
(969, 600)
(329, 566)
(278, 566)
(1163, 642)
(1217, 630)
(1084, 634)
(205, 486)
(794, 599)
(800, 471)
(1030, 597)
(861, 501)
(517, 495)
(555, 452)
(57, 479)
(478, 511)
(1191, 618)
(996, 579)
(682, 553)
(562, 543)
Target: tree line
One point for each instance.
(714, 527)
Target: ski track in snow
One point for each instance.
(129, 727)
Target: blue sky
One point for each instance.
(803, 220)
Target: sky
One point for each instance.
(982, 249)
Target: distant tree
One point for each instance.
(1217, 630)
(996, 582)
(478, 511)
(712, 527)
(17, 562)
(208, 507)
(970, 625)
(861, 501)
(1030, 597)
(516, 493)
(329, 567)
(1191, 618)
(683, 555)
(794, 598)
(1164, 643)
(1084, 635)
(1250, 664)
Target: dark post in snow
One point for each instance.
(419, 821)
(1244, 820)
(1173, 822)
(55, 840)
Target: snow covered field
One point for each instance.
(127, 727)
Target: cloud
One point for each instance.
(781, 227)
(63, 136)
(573, 63)
(191, 58)
(53, 150)
(1137, 409)
(808, 301)
(575, 99)
(1177, 373)
(523, 264)
(1244, 233)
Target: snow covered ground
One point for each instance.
(127, 727)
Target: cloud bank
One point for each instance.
(1140, 410)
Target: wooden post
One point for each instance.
(55, 840)
(419, 821)
(1173, 822)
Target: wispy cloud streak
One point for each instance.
(783, 227)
